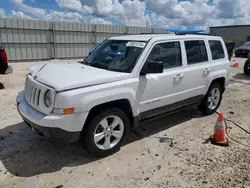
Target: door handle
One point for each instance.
(179, 76)
(206, 71)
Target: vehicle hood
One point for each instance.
(243, 48)
(65, 76)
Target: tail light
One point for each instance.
(3, 56)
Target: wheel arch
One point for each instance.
(122, 104)
(219, 80)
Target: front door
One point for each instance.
(161, 93)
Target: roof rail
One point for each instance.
(181, 33)
(152, 33)
(209, 34)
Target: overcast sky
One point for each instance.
(170, 14)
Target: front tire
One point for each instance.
(212, 99)
(106, 132)
(247, 67)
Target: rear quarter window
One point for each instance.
(216, 49)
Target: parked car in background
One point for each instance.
(5, 68)
(247, 67)
(230, 49)
(126, 79)
(243, 51)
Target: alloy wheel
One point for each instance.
(108, 132)
(213, 98)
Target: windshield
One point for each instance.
(116, 55)
(246, 44)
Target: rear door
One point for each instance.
(196, 71)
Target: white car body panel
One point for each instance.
(83, 75)
(51, 120)
(87, 98)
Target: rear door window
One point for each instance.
(196, 51)
(216, 49)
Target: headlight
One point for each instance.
(47, 98)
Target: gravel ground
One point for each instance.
(28, 160)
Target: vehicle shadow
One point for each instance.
(153, 126)
(241, 76)
(1, 86)
(26, 154)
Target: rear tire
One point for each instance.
(212, 99)
(247, 67)
(106, 132)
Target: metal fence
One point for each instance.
(35, 39)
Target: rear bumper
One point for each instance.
(9, 70)
(61, 127)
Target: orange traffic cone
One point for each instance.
(219, 137)
(235, 64)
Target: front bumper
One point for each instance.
(60, 127)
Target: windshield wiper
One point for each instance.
(97, 65)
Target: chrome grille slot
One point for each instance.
(38, 96)
(34, 95)
(30, 93)
(29, 90)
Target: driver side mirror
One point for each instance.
(152, 67)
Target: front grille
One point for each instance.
(34, 95)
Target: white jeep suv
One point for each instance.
(126, 79)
